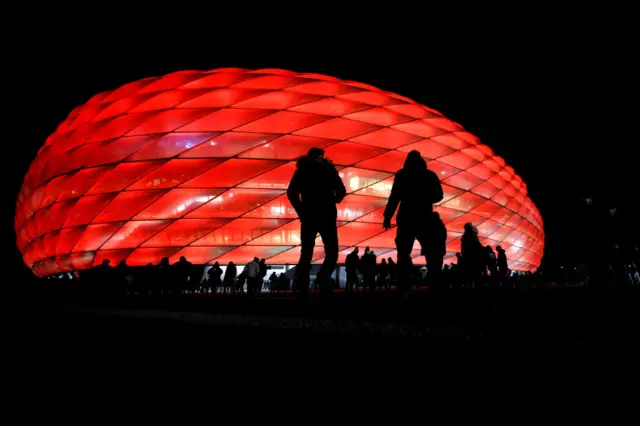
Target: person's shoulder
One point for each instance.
(301, 163)
(328, 164)
(431, 174)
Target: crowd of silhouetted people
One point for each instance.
(182, 277)
(314, 192)
(476, 268)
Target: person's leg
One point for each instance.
(434, 269)
(308, 233)
(433, 249)
(404, 244)
(329, 234)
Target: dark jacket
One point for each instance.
(315, 189)
(416, 189)
(438, 236)
(502, 260)
(351, 262)
(473, 253)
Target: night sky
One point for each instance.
(559, 108)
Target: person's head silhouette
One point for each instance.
(315, 153)
(414, 161)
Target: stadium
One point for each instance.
(196, 164)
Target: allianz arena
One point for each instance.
(196, 164)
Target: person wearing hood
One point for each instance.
(314, 191)
(415, 189)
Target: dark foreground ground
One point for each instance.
(548, 322)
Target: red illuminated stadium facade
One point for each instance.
(196, 164)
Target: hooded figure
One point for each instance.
(415, 189)
(503, 269)
(314, 191)
(473, 255)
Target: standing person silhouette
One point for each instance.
(473, 256)
(229, 277)
(503, 269)
(252, 271)
(351, 265)
(415, 189)
(392, 271)
(492, 264)
(314, 191)
(215, 277)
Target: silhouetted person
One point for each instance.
(146, 279)
(120, 273)
(273, 281)
(197, 279)
(263, 273)
(492, 263)
(239, 285)
(435, 249)
(314, 191)
(392, 271)
(368, 269)
(182, 270)
(164, 275)
(140, 279)
(415, 189)
(473, 255)
(372, 268)
(445, 277)
(101, 276)
(283, 282)
(383, 272)
(229, 277)
(252, 271)
(351, 266)
(215, 277)
(503, 269)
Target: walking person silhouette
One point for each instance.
(314, 191)
(415, 189)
